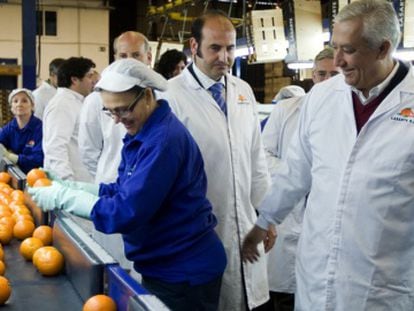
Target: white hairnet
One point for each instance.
(20, 90)
(123, 74)
(289, 91)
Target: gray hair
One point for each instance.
(379, 19)
(132, 34)
(325, 53)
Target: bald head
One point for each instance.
(132, 44)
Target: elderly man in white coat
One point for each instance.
(353, 154)
(220, 112)
(100, 138)
(277, 135)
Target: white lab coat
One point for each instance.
(277, 135)
(60, 136)
(356, 249)
(100, 144)
(236, 171)
(42, 95)
(100, 140)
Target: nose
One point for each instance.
(223, 55)
(338, 58)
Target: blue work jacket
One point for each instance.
(25, 142)
(159, 204)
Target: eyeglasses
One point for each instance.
(122, 112)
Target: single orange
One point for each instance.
(23, 229)
(4, 207)
(29, 246)
(43, 182)
(5, 290)
(21, 210)
(5, 198)
(34, 175)
(14, 205)
(17, 196)
(18, 217)
(99, 303)
(6, 233)
(44, 233)
(2, 267)
(5, 177)
(8, 220)
(48, 260)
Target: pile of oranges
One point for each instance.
(16, 221)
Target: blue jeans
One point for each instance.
(183, 296)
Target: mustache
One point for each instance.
(219, 63)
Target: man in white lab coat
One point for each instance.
(227, 130)
(100, 139)
(353, 154)
(277, 135)
(61, 120)
(47, 89)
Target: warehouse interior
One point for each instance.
(276, 45)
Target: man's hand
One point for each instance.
(270, 238)
(250, 252)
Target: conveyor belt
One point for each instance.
(32, 291)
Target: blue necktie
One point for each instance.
(217, 92)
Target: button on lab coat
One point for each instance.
(236, 171)
(356, 249)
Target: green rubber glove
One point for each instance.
(8, 154)
(57, 196)
(75, 185)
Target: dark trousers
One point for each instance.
(183, 296)
(282, 301)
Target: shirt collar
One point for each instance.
(205, 80)
(376, 90)
(77, 95)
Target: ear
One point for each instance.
(193, 46)
(149, 57)
(74, 80)
(149, 97)
(384, 50)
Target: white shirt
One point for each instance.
(375, 91)
(42, 95)
(60, 136)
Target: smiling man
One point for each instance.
(356, 247)
(220, 112)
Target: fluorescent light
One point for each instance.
(404, 55)
(241, 51)
(326, 36)
(300, 65)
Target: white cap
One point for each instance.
(289, 91)
(17, 91)
(123, 74)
